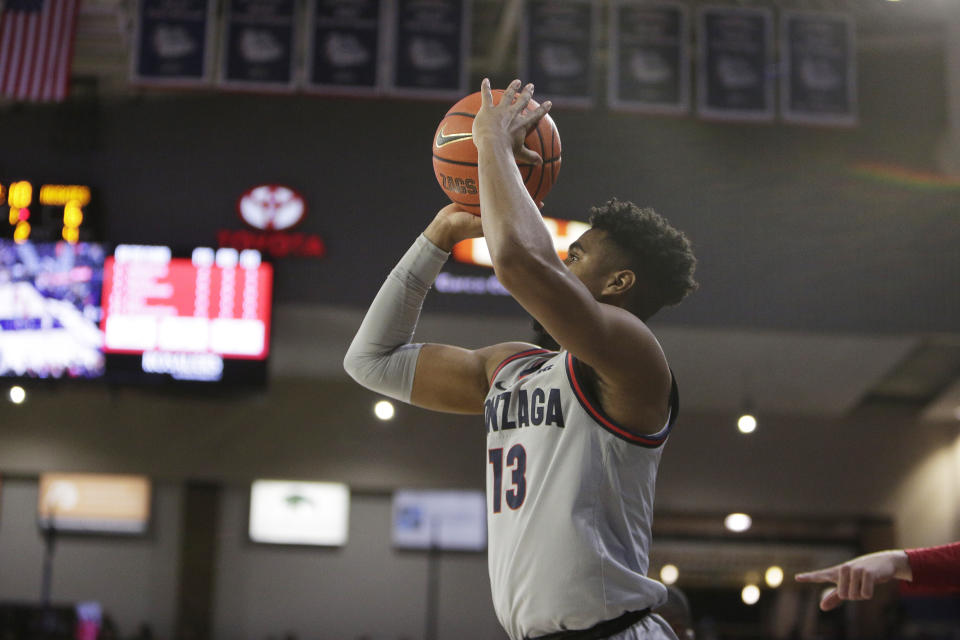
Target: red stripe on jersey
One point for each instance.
(653, 440)
(521, 354)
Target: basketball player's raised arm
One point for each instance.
(383, 357)
(613, 341)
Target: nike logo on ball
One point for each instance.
(444, 139)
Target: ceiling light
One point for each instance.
(738, 522)
(17, 394)
(747, 423)
(383, 410)
(773, 577)
(669, 574)
(750, 594)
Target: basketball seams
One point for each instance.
(530, 169)
(449, 161)
(553, 153)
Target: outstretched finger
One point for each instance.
(531, 119)
(486, 95)
(510, 93)
(823, 575)
(522, 99)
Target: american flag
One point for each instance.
(36, 48)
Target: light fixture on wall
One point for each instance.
(384, 410)
(747, 423)
(750, 594)
(738, 522)
(669, 574)
(17, 394)
(773, 577)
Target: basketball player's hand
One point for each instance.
(451, 225)
(855, 579)
(505, 123)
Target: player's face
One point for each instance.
(589, 261)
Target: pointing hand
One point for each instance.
(855, 579)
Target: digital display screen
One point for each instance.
(563, 233)
(94, 503)
(186, 318)
(46, 212)
(50, 309)
(308, 513)
(454, 520)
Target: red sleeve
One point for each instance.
(935, 569)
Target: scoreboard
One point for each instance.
(184, 317)
(45, 212)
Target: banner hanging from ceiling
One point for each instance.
(344, 46)
(556, 45)
(818, 83)
(430, 47)
(172, 43)
(258, 41)
(649, 67)
(735, 64)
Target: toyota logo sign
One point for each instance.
(271, 207)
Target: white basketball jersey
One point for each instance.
(569, 499)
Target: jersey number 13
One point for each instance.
(517, 464)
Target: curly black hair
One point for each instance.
(659, 253)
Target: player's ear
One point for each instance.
(620, 282)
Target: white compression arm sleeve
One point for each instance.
(381, 356)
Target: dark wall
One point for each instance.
(789, 234)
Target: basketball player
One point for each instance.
(574, 437)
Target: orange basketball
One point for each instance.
(455, 156)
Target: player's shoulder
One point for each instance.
(498, 355)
